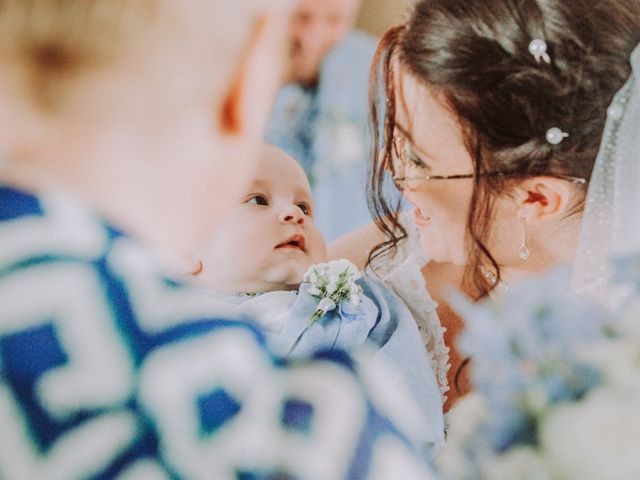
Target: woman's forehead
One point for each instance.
(423, 117)
(420, 109)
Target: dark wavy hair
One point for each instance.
(474, 55)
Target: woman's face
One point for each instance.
(429, 142)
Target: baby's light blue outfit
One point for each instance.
(381, 321)
(326, 129)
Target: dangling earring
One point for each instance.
(524, 251)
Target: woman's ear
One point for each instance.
(247, 103)
(545, 198)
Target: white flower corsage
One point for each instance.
(333, 282)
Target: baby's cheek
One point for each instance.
(318, 251)
(229, 260)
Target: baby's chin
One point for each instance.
(285, 277)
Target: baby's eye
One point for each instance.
(305, 208)
(258, 200)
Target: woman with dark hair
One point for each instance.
(493, 120)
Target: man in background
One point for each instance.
(320, 115)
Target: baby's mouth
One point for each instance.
(294, 241)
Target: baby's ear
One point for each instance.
(249, 98)
(190, 266)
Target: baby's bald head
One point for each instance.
(161, 101)
(275, 161)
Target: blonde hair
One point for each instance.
(51, 45)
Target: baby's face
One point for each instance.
(270, 239)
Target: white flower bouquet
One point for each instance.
(333, 283)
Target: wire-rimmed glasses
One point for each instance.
(409, 174)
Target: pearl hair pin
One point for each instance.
(538, 48)
(615, 111)
(555, 136)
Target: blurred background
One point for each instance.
(321, 114)
(376, 16)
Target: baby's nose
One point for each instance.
(291, 214)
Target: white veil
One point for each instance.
(611, 225)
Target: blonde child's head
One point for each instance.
(269, 239)
(56, 50)
(147, 108)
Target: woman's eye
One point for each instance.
(415, 160)
(305, 208)
(258, 200)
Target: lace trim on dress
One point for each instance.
(402, 272)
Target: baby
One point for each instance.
(255, 264)
(269, 239)
(259, 254)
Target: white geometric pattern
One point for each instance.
(133, 386)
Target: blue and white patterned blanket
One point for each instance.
(110, 369)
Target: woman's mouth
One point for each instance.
(296, 242)
(421, 217)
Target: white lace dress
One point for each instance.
(402, 272)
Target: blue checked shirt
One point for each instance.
(110, 369)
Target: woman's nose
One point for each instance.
(291, 214)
